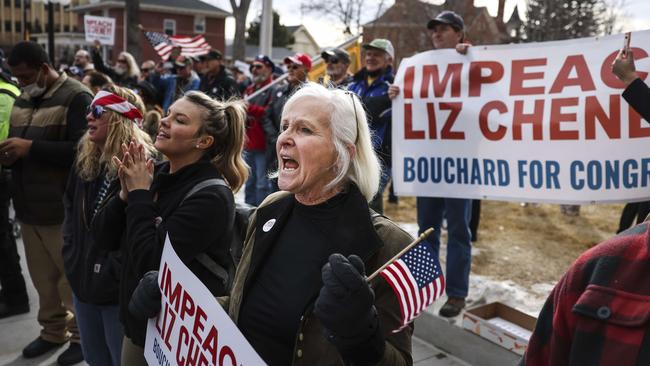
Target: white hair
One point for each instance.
(133, 69)
(349, 126)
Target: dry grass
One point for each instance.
(532, 244)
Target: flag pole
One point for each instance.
(415, 242)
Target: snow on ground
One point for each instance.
(485, 290)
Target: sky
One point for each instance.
(327, 32)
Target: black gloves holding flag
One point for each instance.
(145, 301)
(345, 307)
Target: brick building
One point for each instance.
(405, 25)
(174, 17)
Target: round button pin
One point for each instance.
(268, 225)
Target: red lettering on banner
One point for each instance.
(172, 295)
(409, 133)
(557, 117)
(582, 79)
(431, 116)
(609, 78)
(430, 72)
(637, 130)
(476, 78)
(198, 323)
(183, 338)
(446, 133)
(211, 344)
(519, 75)
(188, 305)
(227, 352)
(534, 118)
(170, 326)
(610, 123)
(409, 76)
(483, 120)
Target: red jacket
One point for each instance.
(255, 137)
(599, 312)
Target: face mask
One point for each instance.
(33, 89)
(120, 70)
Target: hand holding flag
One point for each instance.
(416, 277)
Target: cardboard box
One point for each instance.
(501, 324)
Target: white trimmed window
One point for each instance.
(169, 26)
(199, 24)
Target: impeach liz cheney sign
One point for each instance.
(531, 122)
(192, 328)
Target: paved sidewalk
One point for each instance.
(16, 332)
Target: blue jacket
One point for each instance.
(168, 86)
(378, 107)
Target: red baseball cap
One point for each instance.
(299, 59)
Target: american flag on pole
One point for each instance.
(416, 278)
(190, 46)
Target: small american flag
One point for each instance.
(190, 46)
(417, 280)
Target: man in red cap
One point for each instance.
(257, 185)
(298, 66)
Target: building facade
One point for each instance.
(405, 25)
(174, 17)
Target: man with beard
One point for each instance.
(337, 61)
(175, 86)
(371, 85)
(257, 185)
(298, 66)
(82, 60)
(215, 81)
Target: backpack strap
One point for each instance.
(205, 260)
(204, 184)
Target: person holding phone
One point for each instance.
(637, 92)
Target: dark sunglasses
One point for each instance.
(293, 67)
(146, 70)
(256, 66)
(96, 111)
(332, 61)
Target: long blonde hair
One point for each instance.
(226, 123)
(91, 159)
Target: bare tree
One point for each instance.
(133, 44)
(615, 12)
(348, 12)
(239, 12)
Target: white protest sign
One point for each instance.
(100, 29)
(192, 328)
(527, 122)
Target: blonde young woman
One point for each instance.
(202, 140)
(92, 271)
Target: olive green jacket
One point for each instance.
(311, 347)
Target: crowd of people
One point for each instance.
(102, 162)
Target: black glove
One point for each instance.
(145, 301)
(345, 307)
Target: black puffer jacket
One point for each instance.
(202, 224)
(93, 272)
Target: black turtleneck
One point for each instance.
(289, 280)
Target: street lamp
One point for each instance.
(50, 25)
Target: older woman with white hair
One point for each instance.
(300, 295)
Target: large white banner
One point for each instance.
(100, 29)
(192, 328)
(529, 122)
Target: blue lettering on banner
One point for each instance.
(456, 171)
(160, 355)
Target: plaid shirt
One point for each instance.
(599, 312)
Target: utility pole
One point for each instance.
(266, 29)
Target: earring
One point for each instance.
(197, 146)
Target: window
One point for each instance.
(199, 24)
(7, 25)
(19, 26)
(169, 26)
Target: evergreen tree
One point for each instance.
(281, 36)
(549, 20)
